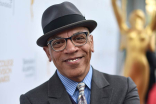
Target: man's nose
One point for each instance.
(70, 47)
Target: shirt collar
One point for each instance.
(71, 85)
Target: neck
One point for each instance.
(81, 76)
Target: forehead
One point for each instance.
(70, 32)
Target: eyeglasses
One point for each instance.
(59, 44)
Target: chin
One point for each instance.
(76, 73)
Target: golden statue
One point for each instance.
(136, 40)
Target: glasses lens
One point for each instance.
(58, 44)
(79, 39)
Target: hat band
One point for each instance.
(62, 21)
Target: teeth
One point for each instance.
(72, 60)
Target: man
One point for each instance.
(68, 43)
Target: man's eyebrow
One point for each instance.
(55, 37)
(78, 32)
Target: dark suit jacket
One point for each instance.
(105, 89)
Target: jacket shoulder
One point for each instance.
(118, 81)
(123, 86)
(115, 79)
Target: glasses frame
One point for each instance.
(86, 33)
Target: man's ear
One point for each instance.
(91, 43)
(47, 51)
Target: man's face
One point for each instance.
(72, 62)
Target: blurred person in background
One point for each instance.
(151, 92)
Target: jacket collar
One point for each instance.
(56, 91)
(101, 92)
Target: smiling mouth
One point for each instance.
(73, 59)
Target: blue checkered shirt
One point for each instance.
(71, 85)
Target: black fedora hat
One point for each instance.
(60, 17)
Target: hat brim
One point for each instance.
(90, 24)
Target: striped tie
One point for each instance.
(81, 98)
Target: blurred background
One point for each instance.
(24, 65)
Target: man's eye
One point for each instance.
(55, 43)
(79, 38)
(58, 42)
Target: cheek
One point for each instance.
(56, 58)
(88, 51)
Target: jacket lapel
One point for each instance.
(56, 91)
(101, 92)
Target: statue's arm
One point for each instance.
(152, 25)
(121, 23)
(152, 45)
(151, 30)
